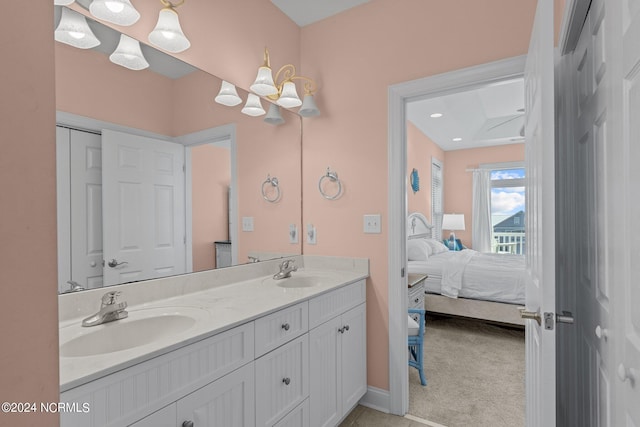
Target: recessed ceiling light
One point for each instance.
(436, 115)
(458, 139)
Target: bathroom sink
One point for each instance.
(142, 327)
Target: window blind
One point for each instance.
(437, 204)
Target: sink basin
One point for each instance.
(299, 280)
(142, 327)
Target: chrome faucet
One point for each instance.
(286, 267)
(74, 286)
(110, 310)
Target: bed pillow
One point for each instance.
(436, 246)
(418, 250)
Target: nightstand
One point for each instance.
(416, 292)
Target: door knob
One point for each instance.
(627, 373)
(187, 424)
(534, 315)
(114, 263)
(602, 333)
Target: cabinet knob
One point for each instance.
(602, 333)
(187, 424)
(285, 326)
(627, 374)
(286, 381)
(346, 327)
(416, 300)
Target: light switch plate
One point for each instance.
(372, 224)
(247, 223)
(311, 234)
(293, 233)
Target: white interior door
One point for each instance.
(143, 207)
(540, 221)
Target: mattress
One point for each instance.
(490, 277)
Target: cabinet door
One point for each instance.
(227, 402)
(353, 345)
(165, 417)
(324, 391)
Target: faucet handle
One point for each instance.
(110, 297)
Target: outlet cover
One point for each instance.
(372, 224)
(247, 223)
(311, 234)
(293, 233)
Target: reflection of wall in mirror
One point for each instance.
(85, 86)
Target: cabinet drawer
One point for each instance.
(333, 303)
(299, 417)
(277, 328)
(415, 292)
(281, 381)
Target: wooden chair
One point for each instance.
(416, 342)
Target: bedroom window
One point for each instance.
(507, 209)
(437, 205)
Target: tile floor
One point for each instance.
(366, 417)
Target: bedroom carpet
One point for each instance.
(475, 375)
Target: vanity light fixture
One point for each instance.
(282, 89)
(228, 95)
(74, 30)
(63, 2)
(120, 12)
(253, 107)
(168, 34)
(128, 54)
(273, 116)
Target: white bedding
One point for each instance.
(470, 274)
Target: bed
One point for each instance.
(465, 283)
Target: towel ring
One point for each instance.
(333, 177)
(274, 183)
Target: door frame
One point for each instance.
(399, 95)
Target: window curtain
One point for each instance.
(481, 233)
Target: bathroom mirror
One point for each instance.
(222, 207)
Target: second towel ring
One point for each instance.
(274, 183)
(333, 177)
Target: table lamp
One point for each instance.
(453, 222)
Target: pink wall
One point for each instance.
(355, 56)
(211, 169)
(458, 184)
(420, 150)
(28, 272)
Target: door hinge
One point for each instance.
(184, 168)
(402, 272)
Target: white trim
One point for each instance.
(376, 398)
(423, 421)
(93, 125)
(501, 165)
(575, 13)
(63, 191)
(399, 95)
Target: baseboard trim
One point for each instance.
(376, 398)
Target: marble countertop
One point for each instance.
(218, 309)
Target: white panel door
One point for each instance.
(324, 377)
(628, 367)
(353, 343)
(86, 208)
(143, 207)
(540, 220)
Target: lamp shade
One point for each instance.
(309, 108)
(453, 222)
(263, 85)
(289, 97)
(228, 95)
(168, 33)
(274, 117)
(74, 30)
(120, 12)
(128, 54)
(253, 107)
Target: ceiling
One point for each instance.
(481, 117)
(305, 12)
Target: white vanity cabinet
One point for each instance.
(337, 355)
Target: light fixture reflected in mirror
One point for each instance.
(309, 108)
(74, 30)
(120, 12)
(168, 34)
(253, 107)
(228, 95)
(128, 54)
(63, 2)
(273, 116)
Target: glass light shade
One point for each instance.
(228, 95)
(264, 84)
(253, 107)
(128, 54)
(274, 117)
(74, 30)
(309, 108)
(120, 12)
(168, 33)
(63, 2)
(289, 97)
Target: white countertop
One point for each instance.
(220, 308)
